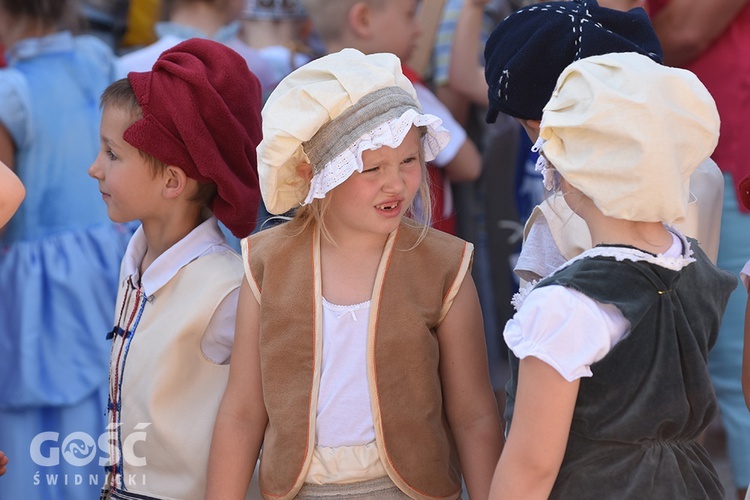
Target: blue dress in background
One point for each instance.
(59, 265)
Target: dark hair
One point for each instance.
(49, 12)
(120, 95)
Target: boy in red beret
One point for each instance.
(177, 153)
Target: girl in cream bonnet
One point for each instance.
(609, 387)
(359, 361)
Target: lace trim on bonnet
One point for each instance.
(390, 134)
(619, 254)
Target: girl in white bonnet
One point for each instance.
(609, 388)
(359, 362)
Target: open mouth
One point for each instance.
(388, 206)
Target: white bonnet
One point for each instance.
(314, 95)
(628, 132)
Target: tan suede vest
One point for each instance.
(170, 391)
(414, 289)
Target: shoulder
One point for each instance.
(143, 59)
(610, 281)
(276, 238)
(439, 260)
(715, 279)
(435, 244)
(94, 47)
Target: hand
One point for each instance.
(3, 463)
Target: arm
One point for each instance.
(470, 404)
(242, 418)
(746, 357)
(7, 148)
(538, 435)
(686, 28)
(460, 159)
(466, 166)
(466, 76)
(12, 193)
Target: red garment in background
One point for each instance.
(441, 220)
(3, 62)
(724, 68)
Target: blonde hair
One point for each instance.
(329, 17)
(419, 213)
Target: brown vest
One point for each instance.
(413, 291)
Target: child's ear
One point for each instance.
(531, 127)
(305, 170)
(359, 19)
(175, 181)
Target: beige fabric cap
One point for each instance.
(313, 96)
(628, 132)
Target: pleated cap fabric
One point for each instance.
(343, 95)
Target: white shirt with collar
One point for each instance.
(205, 239)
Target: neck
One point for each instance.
(201, 16)
(162, 234)
(260, 33)
(349, 268)
(13, 30)
(652, 237)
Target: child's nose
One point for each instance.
(393, 181)
(94, 170)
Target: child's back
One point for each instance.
(638, 415)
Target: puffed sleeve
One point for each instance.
(14, 100)
(566, 329)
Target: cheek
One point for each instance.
(414, 179)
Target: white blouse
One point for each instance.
(571, 331)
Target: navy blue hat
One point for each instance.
(528, 50)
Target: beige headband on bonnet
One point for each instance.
(327, 113)
(628, 132)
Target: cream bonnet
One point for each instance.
(628, 132)
(326, 113)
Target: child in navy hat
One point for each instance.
(525, 56)
(178, 154)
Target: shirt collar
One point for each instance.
(198, 242)
(223, 35)
(667, 260)
(27, 48)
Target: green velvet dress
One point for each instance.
(638, 418)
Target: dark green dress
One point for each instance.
(637, 419)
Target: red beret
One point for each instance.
(201, 112)
(744, 191)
